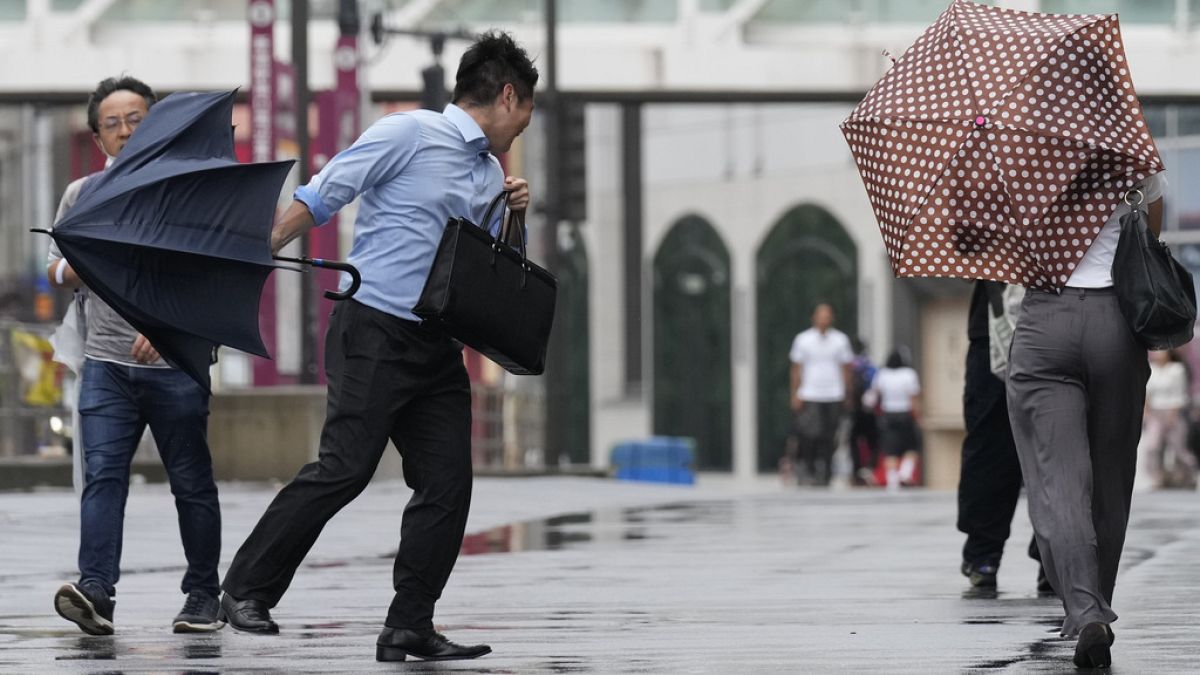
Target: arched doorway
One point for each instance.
(692, 367)
(807, 258)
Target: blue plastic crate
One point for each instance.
(659, 459)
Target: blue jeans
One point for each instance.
(116, 403)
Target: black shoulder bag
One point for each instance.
(1155, 292)
(488, 295)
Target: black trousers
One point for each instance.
(388, 378)
(990, 482)
(864, 440)
(814, 433)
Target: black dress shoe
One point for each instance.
(1092, 650)
(396, 644)
(251, 616)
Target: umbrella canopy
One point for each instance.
(175, 235)
(1000, 143)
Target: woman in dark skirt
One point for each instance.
(896, 392)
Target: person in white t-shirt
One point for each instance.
(1076, 389)
(1166, 458)
(896, 391)
(821, 358)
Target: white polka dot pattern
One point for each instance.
(1000, 143)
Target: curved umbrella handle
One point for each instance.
(355, 277)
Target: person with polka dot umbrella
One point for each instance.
(998, 145)
(1006, 145)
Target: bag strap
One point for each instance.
(496, 201)
(516, 218)
(506, 229)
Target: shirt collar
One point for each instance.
(467, 126)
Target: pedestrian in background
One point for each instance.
(864, 431)
(820, 379)
(390, 376)
(896, 390)
(1164, 457)
(125, 386)
(1076, 395)
(989, 483)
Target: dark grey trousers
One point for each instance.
(1076, 389)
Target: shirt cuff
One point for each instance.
(312, 199)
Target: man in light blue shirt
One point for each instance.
(415, 171)
(389, 376)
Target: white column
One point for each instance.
(745, 393)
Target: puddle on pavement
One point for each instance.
(108, 648)
(574, 529)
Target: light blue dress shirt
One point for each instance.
(414, 170)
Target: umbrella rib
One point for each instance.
(905, 118)
(176, 250)
(1008, 194)
(1017, 85)
(1103, 146)
(957, 39)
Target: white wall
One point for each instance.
(705, 52)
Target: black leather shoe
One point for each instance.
(1092, 650)
(251, 616)
(396, 644)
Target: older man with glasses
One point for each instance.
(126, 386)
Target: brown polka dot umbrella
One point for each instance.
(999, 144)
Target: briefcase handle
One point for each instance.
(506, 226)
(501, 198)
(505, 230)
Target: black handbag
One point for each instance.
(1155, 292)
(487, 294)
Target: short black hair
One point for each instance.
(111, 85)
(492, 62)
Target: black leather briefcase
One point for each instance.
(488, 295)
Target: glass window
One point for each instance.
(458, 12)
(191, 10)
(1187, 120)
(12, 10)
(65, 5)
(1130, 11)
(842, 11)
(1156, 117)
(619, 11)
(1184, 170)
(715, 5)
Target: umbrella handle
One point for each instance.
(355, 277)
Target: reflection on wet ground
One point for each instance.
(768, 583)
(573, 529)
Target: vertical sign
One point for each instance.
(261, 14)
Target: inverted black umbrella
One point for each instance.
(175, 235)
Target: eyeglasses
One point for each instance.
(110, 124)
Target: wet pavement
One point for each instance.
(593, 576)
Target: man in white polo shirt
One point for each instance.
(821, 358)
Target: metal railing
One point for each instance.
(508, 427)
